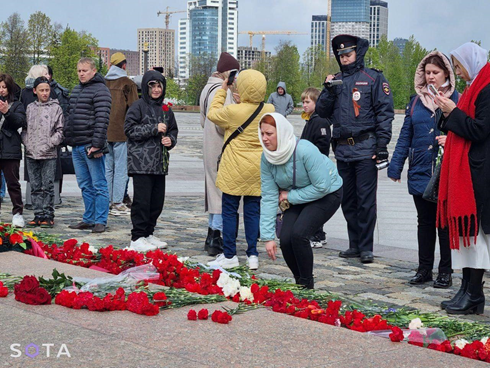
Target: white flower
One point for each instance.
(224, 278)
(460, 343)
(231, 288)
(92, 249)
(182, 259)
(246, 294)
(415, 324)
(484, 340)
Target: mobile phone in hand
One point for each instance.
(432, 90)
(231, 78)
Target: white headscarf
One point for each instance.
(286, 141)
(472, 57)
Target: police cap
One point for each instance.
(344, 44)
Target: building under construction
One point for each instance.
(248, 57)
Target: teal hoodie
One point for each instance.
(316, 176)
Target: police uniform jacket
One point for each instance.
(370, 90)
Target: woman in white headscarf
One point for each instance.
(294, 173)
(464, 196)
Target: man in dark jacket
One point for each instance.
(86, 132)
(361, 110)
(282, 101)
(123, 92)
(152, 131)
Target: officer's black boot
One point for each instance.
(209, 238)
(473, 300)
(461, 291)
(308, 283)
(216, 246)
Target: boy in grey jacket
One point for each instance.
(44, 133)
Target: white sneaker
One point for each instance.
(318, 243)
(18, 220)
(153, 240)
(253, 262)
(141, 245)
(224, 262)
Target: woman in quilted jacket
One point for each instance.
(239, 169)
(419, 140)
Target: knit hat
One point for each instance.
(117, 58)
(227, 62)
(40, 80)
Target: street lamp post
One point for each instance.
(145, 57)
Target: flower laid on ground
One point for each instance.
(192, 315)
(28, 291)
(203, 314)
(415, 324)
(397, 334)
(4, 291)
(221, 317)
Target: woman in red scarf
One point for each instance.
(464, 195)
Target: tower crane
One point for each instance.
(263, 33)
(167, 15)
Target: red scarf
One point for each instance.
(456, 201)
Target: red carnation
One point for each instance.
(203, 314)
(192, 315)
(16, 239)
(3, 290)
(397, 334)
(165, 107)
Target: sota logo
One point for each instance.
(33, 350)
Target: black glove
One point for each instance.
(382, 154)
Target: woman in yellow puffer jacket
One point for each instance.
(239, 170)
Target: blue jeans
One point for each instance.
(116, 173)
(91, 180)
(215, 222)
(3, 185)
(251, 218)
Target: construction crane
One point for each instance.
(263, 33)
(167, 15)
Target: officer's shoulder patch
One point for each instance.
(377, 70)
(386, 88)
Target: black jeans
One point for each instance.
(359, 202)
(426, 236)
(300, 223)
(10, 170)
(41, 176)
(148, 199)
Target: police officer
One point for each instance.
(361, 109)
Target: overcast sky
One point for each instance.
(441, 24)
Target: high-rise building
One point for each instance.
(132, 61)
(319, 31)
(211, 27)
(350, 17)
(400, 43)
(249, 56)
(378, 21)
(161, 49)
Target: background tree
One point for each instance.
(412, 55)
(14, 42)
(201, 67)
(315, 67)
(40, 31)
(73, 45)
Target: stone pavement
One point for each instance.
(183, 224)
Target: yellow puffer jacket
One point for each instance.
(239, 170)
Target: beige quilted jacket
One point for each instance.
(239, 171)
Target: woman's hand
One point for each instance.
(396, 180)
(271, 248)
(441, 140)
(4, 107)
(224, 85)
(283, 195)
(166, 141)
(236, 97)
(446, 104)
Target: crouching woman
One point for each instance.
(294, 173)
